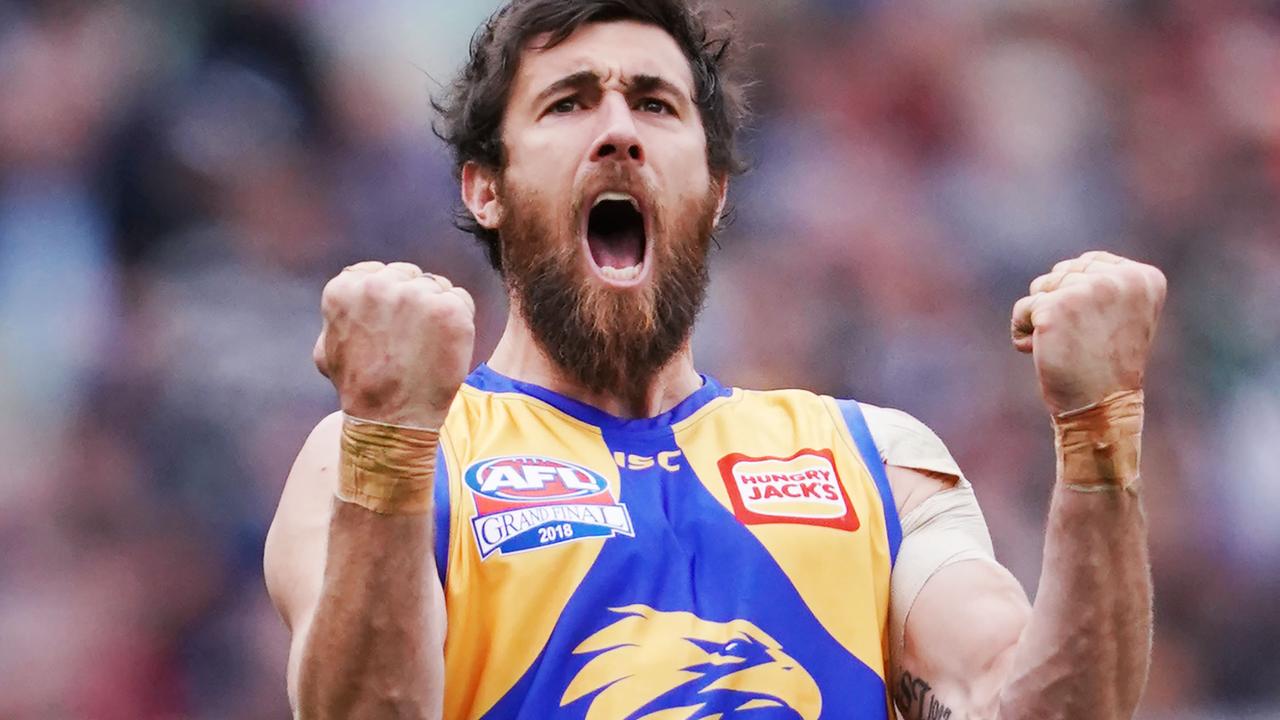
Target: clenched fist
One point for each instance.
(1089, 325)
(396, 343)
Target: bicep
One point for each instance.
(294, 556)
(955, 613)
(959, 640)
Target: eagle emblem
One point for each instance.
(652, 665)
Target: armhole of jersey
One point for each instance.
(443, 513)
(861, 434)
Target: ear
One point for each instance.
(480, 194)
(722, 184)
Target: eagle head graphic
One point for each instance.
(652, 665)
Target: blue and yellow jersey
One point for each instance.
(728, 559)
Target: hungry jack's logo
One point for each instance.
(803, 488)
(527, 502)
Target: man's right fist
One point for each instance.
(396, 342)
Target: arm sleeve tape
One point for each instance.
(945, 529)
(906, 442)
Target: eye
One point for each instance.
(564, 107)
(655, 106)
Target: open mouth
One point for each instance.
(616, 237)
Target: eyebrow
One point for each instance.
(644, 84)
(579, 81)
(587, 79)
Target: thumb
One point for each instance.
(1021, 327)
(318, 354)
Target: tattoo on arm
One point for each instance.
(917, 701)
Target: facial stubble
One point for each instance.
(608, 339)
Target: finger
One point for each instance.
(1157, 284)
(466, 298)
(429, 283)
(1047, 282)
(1092, 261)
(1103, 257)
(1021, 328)
(444, 282)
(1072, 279)
(403, 270)
(369, 266)
(1082, 263)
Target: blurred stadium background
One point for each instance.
(178, 179)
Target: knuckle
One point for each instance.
(375, 287)
(336, 295)
(336, 284)
(366, 266)
(1105, 288)
(400, 269)
(1157, 279)
(1070, 300)
(452, 312)
(1133, 280)
(403, 295)
(436, 307)
(470, 306)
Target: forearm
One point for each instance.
(375, 645)
(1085, 650)
(374, 648)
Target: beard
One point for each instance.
(610, 340)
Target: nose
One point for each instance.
(619, 139)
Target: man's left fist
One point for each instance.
(1089, 325)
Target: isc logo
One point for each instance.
(533, 479)
(668, 460)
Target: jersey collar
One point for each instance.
(489, 380)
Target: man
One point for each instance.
(585, 527)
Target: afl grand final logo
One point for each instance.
(526, 502)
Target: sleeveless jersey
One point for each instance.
(728, 559)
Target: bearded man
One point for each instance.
(586, 527)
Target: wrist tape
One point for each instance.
(1099, 446)
(389, 469)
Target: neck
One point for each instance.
(518, 356)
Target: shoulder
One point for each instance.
(906, 442)
(902, 440)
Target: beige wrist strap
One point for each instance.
(1100, 446)
(389, 469)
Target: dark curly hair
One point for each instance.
(473, 107)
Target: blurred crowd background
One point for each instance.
(178, 179)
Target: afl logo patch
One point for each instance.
(527, 502)
(803, 488)
(533, 479)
